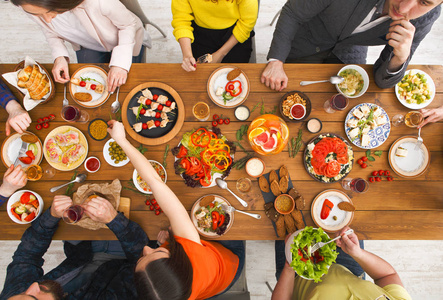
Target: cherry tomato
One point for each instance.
(157, 212)
(375, 173)
(148, 102)
(145, 126)
(215, 117)
(364, 166)
(155, 97)
(38, 126)
(227, 121)
(378, 179)
(45, 125)
(157, 206)
(93, 87)
(214, 123)
(45, 119)
(387, 173)
(389, 178)
(154, 202)
(371, 179)
(52, 117)
(151, 207)
(39, 121)
(157, 123)
(360, 161)
(168, 103)
(158, 115)
(220, 121)
(160, 107)
(82, 83)
(364, 158)
(147, 202)
(230, 87)
(381, 172)
(142, 111)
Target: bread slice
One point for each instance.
(346, 206)
(24, 74)
(35, 70)
(37, 80)
(83, 97)
(42, 94)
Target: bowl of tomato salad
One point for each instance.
(25, 206)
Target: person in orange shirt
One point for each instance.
(189, 268)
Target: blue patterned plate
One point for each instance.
(378, 136)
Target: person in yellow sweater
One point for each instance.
(339, 283)
(222, 28)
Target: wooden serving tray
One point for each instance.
(125, 206)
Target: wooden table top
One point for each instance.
(401, 209)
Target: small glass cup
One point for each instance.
(337, 102)
(412, 119)
(49, 172)
(358, 185)
(201, 111)
(73, 214)
(71, 114)
(34, 172)
(244, 185)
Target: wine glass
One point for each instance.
(336, 103)
(71, 113)
(358, 185)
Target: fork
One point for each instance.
(321, 244)
(232, 209)
(65, 100)
(419, 141)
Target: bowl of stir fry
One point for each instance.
(141, 185)
(356, 81)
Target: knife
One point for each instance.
(21, 153)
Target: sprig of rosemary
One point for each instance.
(69, 190)
(165, 156)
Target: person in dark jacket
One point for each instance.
(91, 270)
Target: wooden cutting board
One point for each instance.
(125, 206)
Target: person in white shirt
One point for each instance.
(100, 31)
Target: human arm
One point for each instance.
(13, 179)
(178, 216)
(218, 55)
(188, 63)
(432, 115)
(379, 269)
(18, 118)
(60, 70)
(285, 286)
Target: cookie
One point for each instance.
(268, 205)
(233, 74)
(293, 193)
(298, 219)
(300, 203)
(273, 176)
(283, 171)
(290, 224)
(207, 200)
(272, 214)
(284, 182)
(346, 206)
(263, 184)
(280, 224)
(275, 188)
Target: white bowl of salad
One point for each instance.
(356, 81)
(310, 266)
(25, 206)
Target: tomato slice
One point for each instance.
(317, 161)
(342, 159)
(333, 168)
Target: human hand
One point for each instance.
(274, 76)
(59, 205)
(189, 64)
(431, 115)
(60, 70)
(116, 77)
(116, 131)
(13, 179)
(400, 37)
(217, 57)
(18, 119)
(348, 243)
(100, 210)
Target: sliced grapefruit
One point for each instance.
(271, 144)
(262, 138)
(256, 132)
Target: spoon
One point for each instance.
(334, 80)
(224, 185)
(115, 106)
(80, 178)
(65, 100)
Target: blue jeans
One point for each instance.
(342, 259)
(88, 56)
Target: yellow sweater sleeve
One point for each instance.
(182, 17)
(248, 16)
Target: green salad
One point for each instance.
(312, 265)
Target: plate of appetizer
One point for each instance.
(202, 156)
(416, 90)
(141, 185)
(153, 113)
(405, 160)
(367, 125)
(210, 217)
(25, 206)
(356, 81)
(114, 154)
(31, 155)
(295, 106)
(310, 266)
(328, 158)
(332, 210)
(65, 148)
(228, 87)
(88, 86)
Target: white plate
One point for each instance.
(431, 88)
(218, 79)
(344, 218)
(97, 74)
(137, 185)
(363, 74)
(415, 163)
(11, 147)
(377, 136)
(16, 197)
(108, 157)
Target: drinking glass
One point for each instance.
(34, 172)
(201, 111)
(71, 113)
(358, 185)
(337, 102)
(49, 172)
(73, 214)
(412, 119)
(244, 185)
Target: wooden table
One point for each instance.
(402, 209)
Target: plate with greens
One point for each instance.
(311, 266)
(90, 80)
(367, 125)
(228, 93)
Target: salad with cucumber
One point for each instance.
(312, 265)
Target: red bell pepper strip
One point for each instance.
(34, 203)
(183, 152)
(326, 209)
(15, 214)
(221, 220)
(30, 154)
(215, 217)
(30, 217)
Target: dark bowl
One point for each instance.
(89, 129)
(307, 107)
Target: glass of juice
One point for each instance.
(71, 113)
(201, 111)
(73, 214)
(412, 119)
(358, 185)
(244, 185)
(34, 172)
(336, 103)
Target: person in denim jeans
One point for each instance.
(90, 270)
